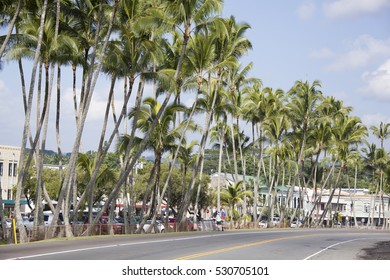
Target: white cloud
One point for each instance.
(347, 8)
(375, 119)
(306, 10)
(4, 107)
(378, 82)
(361, 52)
(321, 54)
(97, 107)
(6, 104)
(3, 88)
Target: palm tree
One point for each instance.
(232, 196)
(86, 165)
(275, 127)
(189, 15)
(348, 131)
(303, 108)
(26, 129)
(237, 79)
(162, 138)
(7, 8)
(383, 133)
(224, 59)
(97, 55)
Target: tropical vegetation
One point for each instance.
(182, 50)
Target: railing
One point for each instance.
(78, 230)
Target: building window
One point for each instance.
(366, 207)
(1, 168)
(15, 169)
(10, 169)
(9, 192)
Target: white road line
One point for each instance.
(331, 246)
(123, 244)
(150, 241)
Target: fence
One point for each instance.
(78, 230)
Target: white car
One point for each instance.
(8, 221)
(296, 224)
(160, 226)
(47, 218)
(264, 223)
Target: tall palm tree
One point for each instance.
(97, 55)
(348, 131)
(189, 14)
(382, 133)
(224, 59)
(303, 108)
(23, 169)
(162, 138)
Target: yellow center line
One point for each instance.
(223, 250)
(227, 249)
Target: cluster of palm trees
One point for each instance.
(186, 50)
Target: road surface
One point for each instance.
(265, 244)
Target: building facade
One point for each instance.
(9, 164)
(344, 206)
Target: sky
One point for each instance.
(345, 44)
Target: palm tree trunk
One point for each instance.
(221, 141)
(333, 189)
(24, 169)
(172, 163)
(84, 107)
(186, 201)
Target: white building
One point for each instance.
(346, 204)
(9, 165)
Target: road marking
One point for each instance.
(182, 239)
(223, 250)
(123, 244)
(331, 246)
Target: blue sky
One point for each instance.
(345, 44)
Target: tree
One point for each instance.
(8, 8)
(303, 108)
(383, 133)
(232, 196)
(348, 131)
(162, 138)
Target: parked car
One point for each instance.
(296, 224)
(160, 226)
(275, 221)
(264, 222)
(117, 225)
(47, 219)
(173, 224)
(8, 222)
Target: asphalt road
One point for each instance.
(265, 244)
